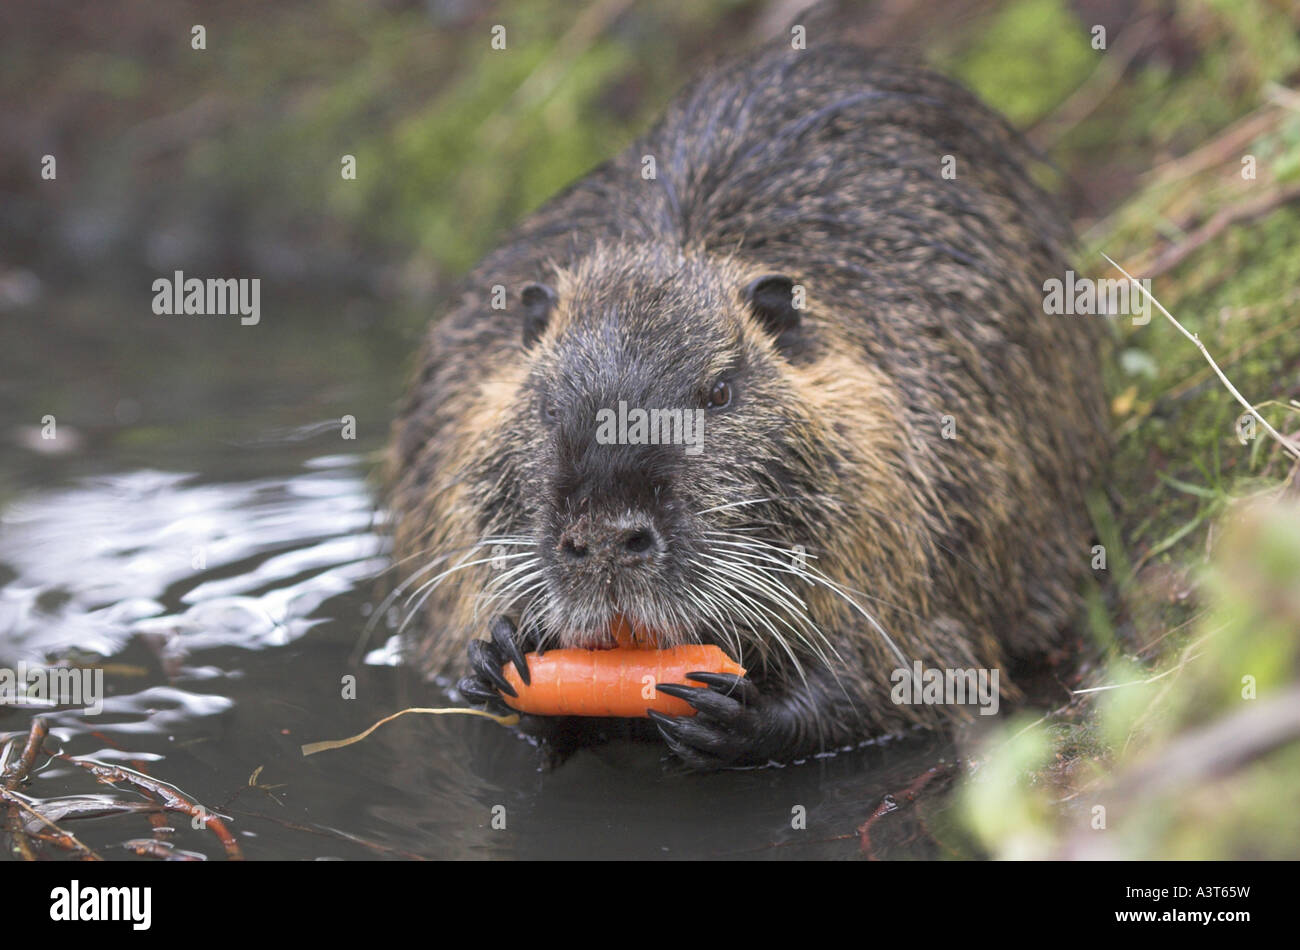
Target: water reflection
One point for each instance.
(242, 564)
(229, 615)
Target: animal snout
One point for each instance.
(626, 540)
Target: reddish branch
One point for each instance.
(12, 775)
(163, 850)
(15, 772)
(891, 803)
(162, 830)
(1223, 219)
(56, 836)
(168, 796)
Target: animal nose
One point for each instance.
(621, 540)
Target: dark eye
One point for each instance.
(549, 412)
(721, 394)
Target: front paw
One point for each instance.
(485, 683)
(734, 725)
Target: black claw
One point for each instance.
(689, 758)
(503, 635)
(667, 727)
(477, 692)
(695, 760)
(738, 687)
(678, 690)
(729, 726)
(681, 746)
(686, 729)
(706, 701)
(661, 721)
(487, 662)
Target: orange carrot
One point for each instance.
(616, 682)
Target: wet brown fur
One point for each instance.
(924, 301)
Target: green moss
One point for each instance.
(1028, 58)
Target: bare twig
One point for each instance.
(1218, 748)
(1093, 90)
(162, 850)
(891, 803)
(1222, 219)
(1287, 444)
(14, 772)
(1144, 682)
(311, 748)
(1227, 146)
(12, 775)
(170, 797)
(1187, 385)
(64, 839)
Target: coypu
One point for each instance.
(897, 439)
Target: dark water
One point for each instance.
(200, 529)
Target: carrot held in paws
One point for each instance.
(619, 682)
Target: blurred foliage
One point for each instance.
(234, 151)
(1035, 795)
(1029, 57)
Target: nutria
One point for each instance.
(835, 258)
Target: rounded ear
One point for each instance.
(771, 298)
(538, 301)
